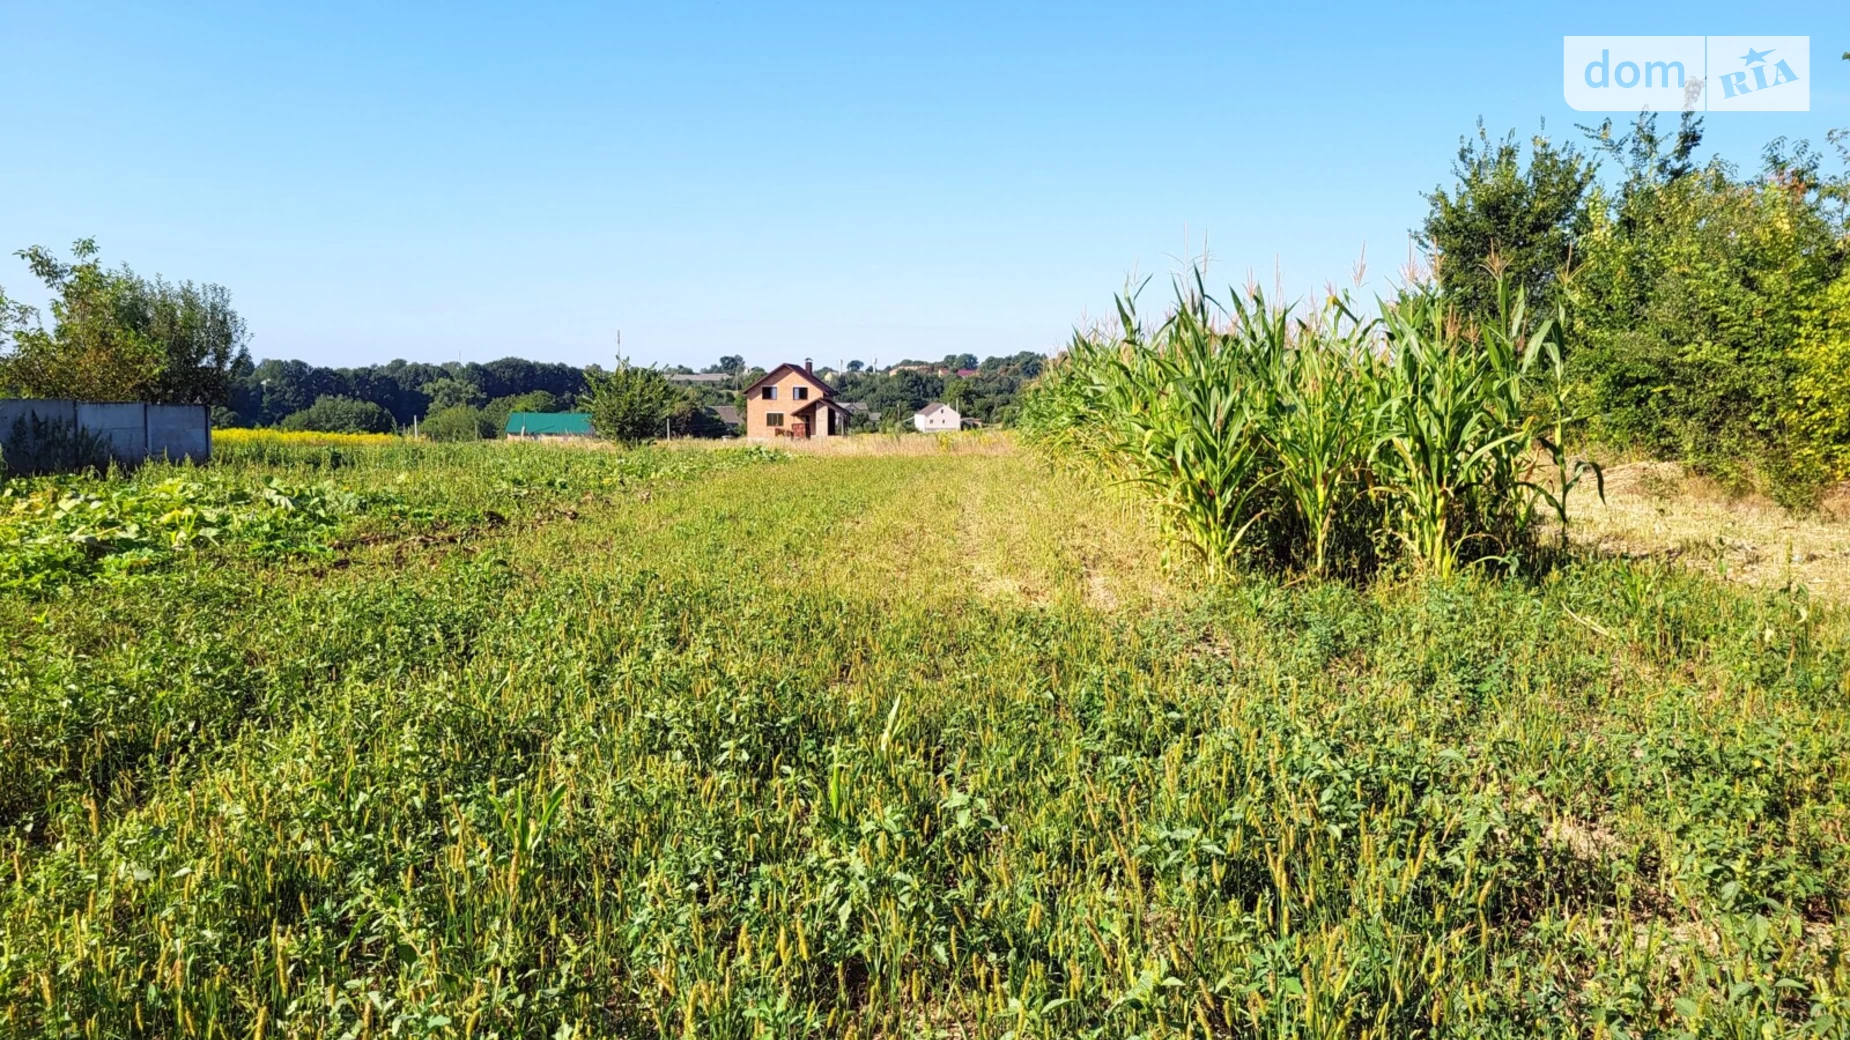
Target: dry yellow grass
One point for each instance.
(1659, 509)
(985, 527)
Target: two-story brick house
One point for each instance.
(791, 401)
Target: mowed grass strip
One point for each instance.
(855, 747)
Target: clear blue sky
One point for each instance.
(856, 181)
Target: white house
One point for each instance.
(937, 417)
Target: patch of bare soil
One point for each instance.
(1659, 509)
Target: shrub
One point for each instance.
(457, 423)
(1690, 302)
(1819, 413)
(1504, 210)
(1693, 290)
(334, 414)
(629, 404)
(116, 336)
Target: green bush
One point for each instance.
(1507, 210)
(334, 414)
(458, 423)
(630, 404)
(1690, 304)
(1819, 411)
(116, 336)
(1701, 327)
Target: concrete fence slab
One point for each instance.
(124, 426)
(179, 431)
(134, 431)
(12, 411)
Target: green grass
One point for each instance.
(897, 746)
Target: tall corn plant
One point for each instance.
(1453, 457)
(1062, 414)
(1181, 414)
(1325, 445)
(1319, 429)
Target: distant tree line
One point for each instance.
(451, 401)
(114, 335)
(266, 394)
(986, 391)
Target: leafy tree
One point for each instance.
(332, 414)
(458, 422)
(629, 404)
(535, 401)
(496, 412)
(1819, 412)
(988, 395)
(1507, 214)
(448, 392)
(511, 376)
(691, 418)
(1695, 292)
(118, 336)
(905, 392)
(274, 389)
(958, 393)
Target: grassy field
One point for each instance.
(514, 740)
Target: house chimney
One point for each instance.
(809, 366)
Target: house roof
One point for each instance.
(933, 409)
(774, 374)
(697, 377)
(837, 405)
(727, 414)
(557, 424)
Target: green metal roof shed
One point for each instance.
(549, 424)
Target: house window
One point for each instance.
(770, 393)
(799, 393)
(773, 418)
